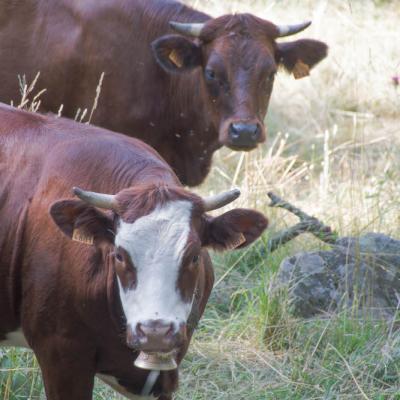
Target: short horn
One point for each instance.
(193, 29)
(220, 200)
(287, 30)
(100, 200)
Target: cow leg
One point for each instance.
(68, 371)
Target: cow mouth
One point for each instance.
(242, 147)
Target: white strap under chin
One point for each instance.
(150, 381)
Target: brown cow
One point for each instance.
(136, 274)
(186, 95)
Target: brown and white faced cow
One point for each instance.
(158, 235)
(239, 57)
(136, 274)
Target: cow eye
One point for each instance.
(210, 74)
(119, 257)
(196, 259)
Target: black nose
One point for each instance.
(154, 336)
(245, 135)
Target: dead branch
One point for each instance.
(307, 224)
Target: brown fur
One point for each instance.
(64, 294)
(183, 116)
(141, 200)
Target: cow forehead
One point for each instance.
(235, 50)
(162, 234)
(240, 25)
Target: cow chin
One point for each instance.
(240, 148)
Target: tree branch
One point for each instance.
(307, 224)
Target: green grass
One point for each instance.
(19, 375)
(249, 347)
(334, 151)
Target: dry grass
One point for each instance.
(334, 137)
(333, 150)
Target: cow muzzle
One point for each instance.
(243, 135)
(155, 336)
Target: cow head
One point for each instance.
(156, 236)
(238, 56)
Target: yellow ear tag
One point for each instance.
(300, 70)
(239, 240)
(80, 237)
(175, 58)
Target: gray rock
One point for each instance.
(359, 272)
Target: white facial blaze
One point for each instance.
(156, 243)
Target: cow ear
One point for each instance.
(234, 229)
(82, 222)
(300, 56)
(176, 53)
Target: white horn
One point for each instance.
(220, 200)
(100, 200)
(193, 29)
(287, 30)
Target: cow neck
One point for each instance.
(11, 289)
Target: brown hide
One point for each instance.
(62, 293)
(185, 116)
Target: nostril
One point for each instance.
(133, 337)
(139, 331)
(234, 131)
(170, 330)
(165, 330)
(256, 133)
